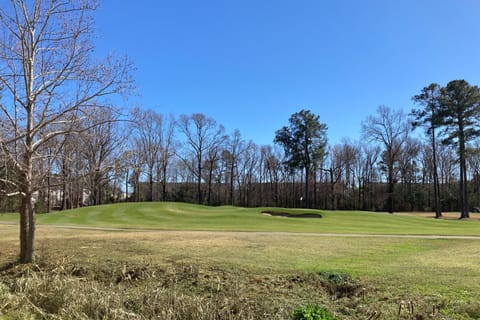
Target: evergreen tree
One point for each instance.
(460, 115)
(429, 99)
(304, 142)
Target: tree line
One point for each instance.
(64, 144)
(192, 158)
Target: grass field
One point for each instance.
(223, 272)
(181, 216)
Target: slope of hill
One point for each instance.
(183, 216)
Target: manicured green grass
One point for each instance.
(181, 216)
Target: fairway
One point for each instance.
(182, 216)
(257, 256)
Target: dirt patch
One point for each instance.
(291, 215)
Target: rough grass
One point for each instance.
(145, 291)
(92, 274)
(176, 271)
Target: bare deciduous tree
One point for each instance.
(148, 137)
(169, 145)
(235, 148)
(48, 77)
(202, 134)
(247, 165)
(272, 167)
(391, 129)
(100, 141)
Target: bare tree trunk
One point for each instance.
(232, 170)
(307, 183)
(23, 231)
(464, 211)
(27, 215)
(315, 200)
(391, 187)
(27, 230)
(210, 178)
(126, 185)
(40, 66)
(333, 194)
(436, 184)
(150, 185)
(164, 183)
(199, 182)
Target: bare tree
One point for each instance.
(447, 167)
(202, 134)
(246, 172)
(71, 170)
(390, 128)
(272, 167)
(408, 167)
(133, 172)
(212, 158)
(148, 136)
(100, 140)
(169, 145)
(48, 75)
(334, 169)
(367, 168)
(235, 147)
(347, 153)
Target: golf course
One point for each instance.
(181, 261)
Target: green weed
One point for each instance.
(312, 312)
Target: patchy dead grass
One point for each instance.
(94, 274)
(118, 288)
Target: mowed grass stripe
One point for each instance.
(182, 216)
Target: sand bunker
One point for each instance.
(291, 215)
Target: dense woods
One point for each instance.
(152, 156)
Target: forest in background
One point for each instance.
(149, 156)
(65, 144)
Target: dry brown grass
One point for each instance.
(124, 287)
(135, 275)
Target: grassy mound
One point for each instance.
(182, 216)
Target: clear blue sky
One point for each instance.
(250, 64)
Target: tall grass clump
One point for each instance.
(65, 290)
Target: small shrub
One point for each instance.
(312, 312)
